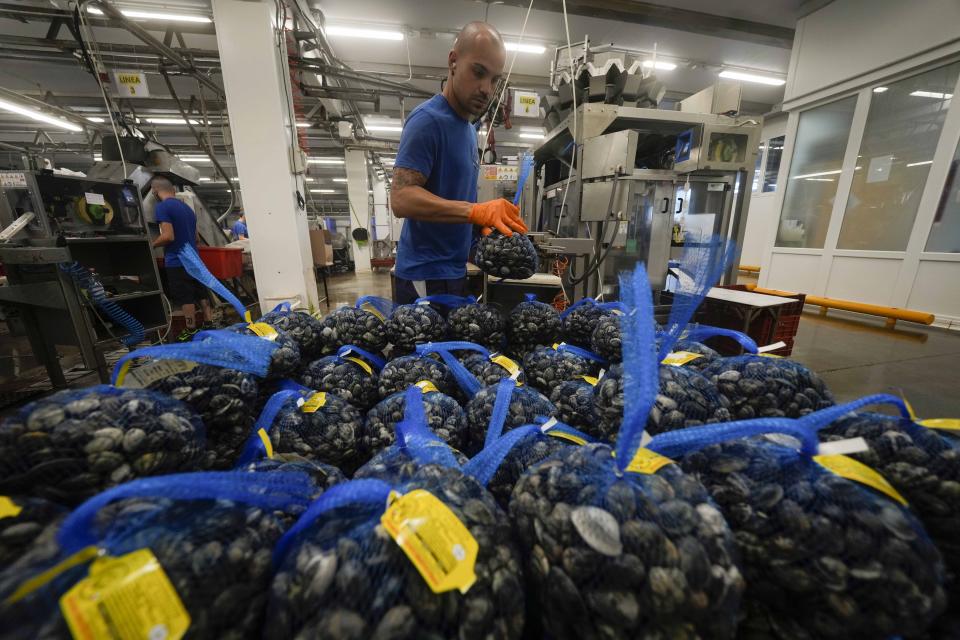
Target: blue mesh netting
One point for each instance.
(376, 305)
(531, 323)
(19, 531)
(212, 533)
(467, 382)
(824, 556)
(512, 257)
(575, 405)
(285, 359)
(756, 386)
(323, 476)
(72, 444)
(349, 325)
(496, 409)
(413, 324)
(400, 373)
(301, 326)
(480, 323)
(707, 355)
(444, 417)
(580, 320)
(193, 265)
(546, 367)
(343, 375)
(487, 371)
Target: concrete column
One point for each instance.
(381, 210)
(357, 192)
(256, 82)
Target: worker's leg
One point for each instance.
(406, 291)
(183, 294)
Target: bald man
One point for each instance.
(435, 174)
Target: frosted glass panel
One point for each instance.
(945, 232)
(757, 168)
(774, 153)
(901, 134)
(814, 170)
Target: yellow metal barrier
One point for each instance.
(892, 314)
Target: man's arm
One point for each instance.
(409, 199)
(165, 237)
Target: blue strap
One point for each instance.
(500, 407)
(283, 307)
(820, 419)
(614, 306)
(563, 347)
(226, 349)
(526, 166)
(383, 305)
(448, 300)
(266, 490)
(347, 349)
(705, 332)
(467, 382)
(641, 378)
(675, 444)
(530, 297)
(355, 492)
(562, 427)
(414, 437)
(484, 465)
(194, 266)
(254, 448)
(576, 305)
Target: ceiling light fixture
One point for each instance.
(531, 136)
(384, 127)
(751, 77)
(152, 15)
(932, 94)
(324, 160)
(96, 119)
(880, 89)
(662, 66)
(39, 116)
(310, 179)
(204, 179)
(817, 175)
(194, 159)
(525, 48)
(339, 179)
(919, 164)
(356, 32)
(97, 157)
(304, 125)
(323, 190)
(170, 121)
(821, 179)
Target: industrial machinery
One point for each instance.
(80, 270)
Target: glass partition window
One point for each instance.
(945, 232)
(757, 168)
(814, 170)
(899, 139)
(774, 153)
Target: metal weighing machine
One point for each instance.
(51, 220)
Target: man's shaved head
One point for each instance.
(474, 65)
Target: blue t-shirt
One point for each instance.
(184, 222)
(240, 229)
(442, 146)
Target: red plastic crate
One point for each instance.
(223, 262)
(762, 329)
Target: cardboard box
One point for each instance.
(321, 248)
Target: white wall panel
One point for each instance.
(936, 289)
(763, 214)
(863, 279)
(793, 272)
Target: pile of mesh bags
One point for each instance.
(531, 324)
(352, 373)
(363, 325)
(444, 417)
(304, 329)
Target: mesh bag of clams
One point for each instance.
(692, 340)
(363, 325)
(580, 319)
(546, 367)
(605, 341)
(320, 426)
(513, 257)
(470, 364)
(75, 443)
(490, 369)
(22, 520)
(575, 403)
(413, 324)
(426, 554)
(219, 375)
(519, 405)
(285, 359)
(531, 323)
(401, 372)
(829, 547)
(197, 547)
(443, 415)
(626, 545)
(299, 325)
(353, 374)
(323, 476)
(472, 321)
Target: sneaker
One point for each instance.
(187, 335)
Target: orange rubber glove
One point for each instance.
(497, 213)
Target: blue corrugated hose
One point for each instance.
(98, 296)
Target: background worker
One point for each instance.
(178, 227)
(435, 173)
(240, 228)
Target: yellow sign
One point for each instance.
(647, 462)
(426, 386)
(847, 467)
(591, 380)
(132, 84)
(526, 103)
(437, 543)
(126, 597)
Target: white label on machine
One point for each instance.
(13, 180)
(507, 173)
(526, 103)
(715, 186)
(94, 198)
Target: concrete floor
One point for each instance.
(855, 354)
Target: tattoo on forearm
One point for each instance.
(407, 178)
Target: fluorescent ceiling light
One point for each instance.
(97, 157)
(821, 179)
(880, 89)
(39, 116)
(932, 94)
(532, 136)
(153, 15)
(355, 32)
(525, 48)
(323, 190)
(96, 119)
(170, 121)
(194, 159)
(204, 179)
(235, 179)
(817, 175)
(324, 160)
(384, 127)
(339, 179)
(750, 77)
(918, 164)
(310, 179)
(663, 66)
(304, 125)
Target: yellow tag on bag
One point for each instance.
(9, 508)
(265, 439)
(426, 386)
(679, 358)
(847, 467)
(563, 435)
(363, 365)
(512, 367)
(366, 306)
(125, 597)
(941, 424)
(647, 462)
(314, 402)
(591, 380)
(263, 330)
(434, 539)
(29, 586)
